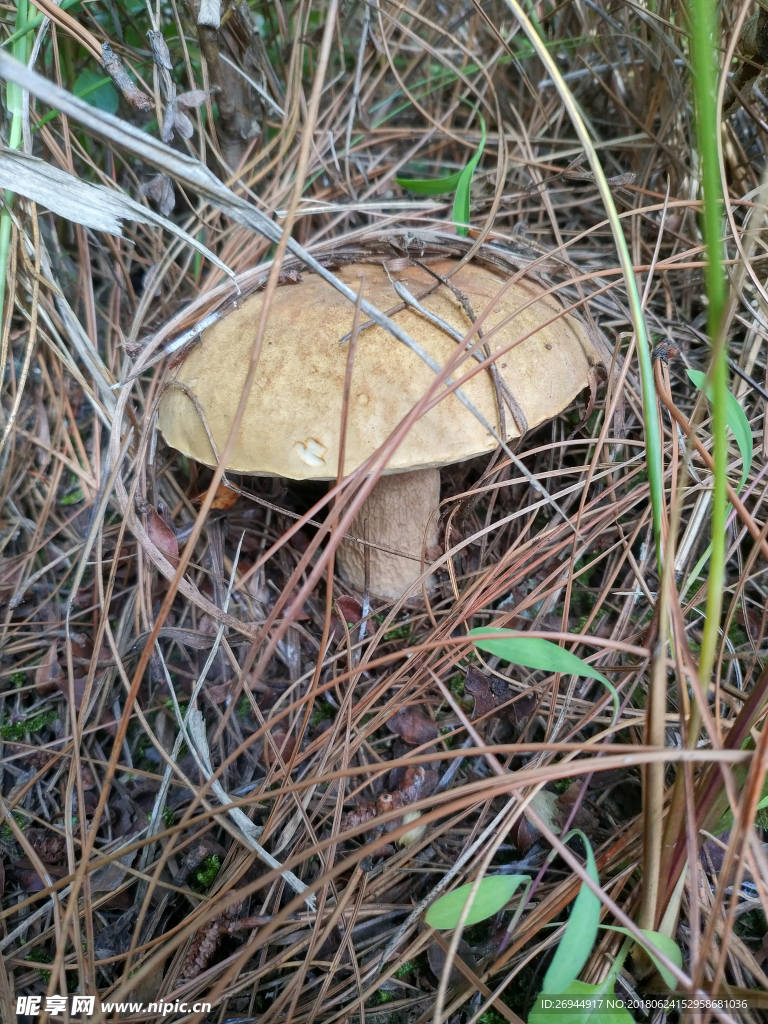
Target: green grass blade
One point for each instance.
(736, 419)
(431, 186)
(492, 893)
(648, 387)
(704, 60)
(580, 934)
(459, 183)
(461, 200)
(533, 652)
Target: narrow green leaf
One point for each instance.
(431, 186)
(458, 183)
(533, 652)
(736, 419)
(492, 894)
(668, 947)
(461, 199)
(599, 1012)
(580, 934)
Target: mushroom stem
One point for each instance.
(398, 511)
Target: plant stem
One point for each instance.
(703, 23)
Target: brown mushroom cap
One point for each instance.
(292, 420)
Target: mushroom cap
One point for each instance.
(291, 426)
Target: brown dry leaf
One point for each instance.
(219, 693)
(49, 846)
(282, 743)
(192, 99)
(584, 819)
(479, 686)
(350, 609)
(437, 958)
(162, 536)
(523, 833)
(225, 498)
(160, 190)
(30, 880)
(78, 684)
(413, 726)
(48, 673)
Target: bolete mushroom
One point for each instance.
(292, 422)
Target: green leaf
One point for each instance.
(533, 652)
(580, 934)
(431, 186)
(461, 199)
(668, 947)
(736, 419)
(97, 90)
(492, 894)
(458, 183)
(598, 1013)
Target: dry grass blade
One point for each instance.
(236, 773)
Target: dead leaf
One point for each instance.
(479, 686)
(162, 536)
(584, 818)
(351, 610)
(78, 684)
(160, 190)
(437, 958)
(523, 833)
(225, 498)
(219, 693)
(30, 880)
(2, 878)
(413, 726)
(49, 846)
(48, 672)
(192, 99)
(281, 742)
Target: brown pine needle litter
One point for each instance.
(237, 772)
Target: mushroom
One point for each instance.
(292, 421)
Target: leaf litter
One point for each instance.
(247, 758)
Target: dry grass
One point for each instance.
(104, 638)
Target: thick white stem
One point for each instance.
(398, 513)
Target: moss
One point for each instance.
(321, 712)
(243, 709)
(18, 730)
(457, 685)
(204, 877)
(6, 832)
(562, 784)
(18, 678)
(407, 968)
(378, 999)
(490, 1017)
(169, 817)
(39, 956)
